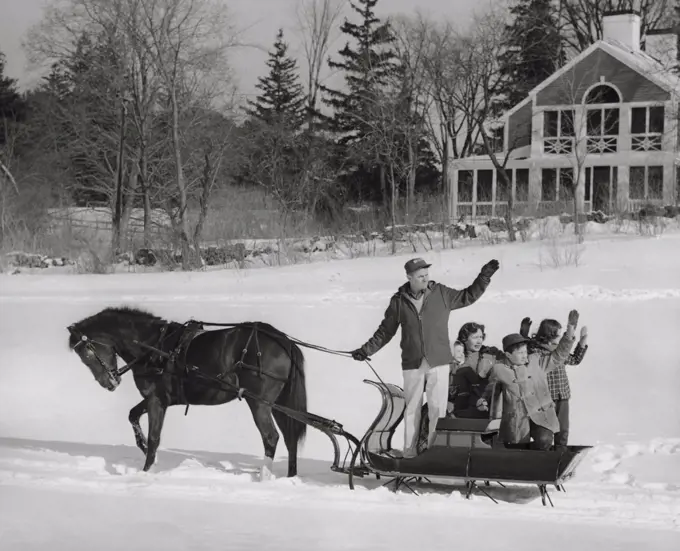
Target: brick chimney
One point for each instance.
(662, 45)
(623, 27)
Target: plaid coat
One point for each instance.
(558, 381)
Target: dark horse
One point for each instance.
(253, 356)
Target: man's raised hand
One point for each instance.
(490, 268)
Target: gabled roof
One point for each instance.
(637, 60)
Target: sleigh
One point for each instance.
(466, 449)
(463, 449)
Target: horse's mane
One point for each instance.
(101, 320)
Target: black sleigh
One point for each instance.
(464, 449)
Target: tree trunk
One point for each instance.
(207, 181)
(394, 210)
(511, 205)
(116, 221)
(500, 171)
(577, 223)
(411, 192)
(147, 217)
(130, 192)
(183, 222)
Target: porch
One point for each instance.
(541, 187)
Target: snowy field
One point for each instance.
(70, 476)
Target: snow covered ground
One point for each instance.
(70, 475)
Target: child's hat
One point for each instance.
(513, 339)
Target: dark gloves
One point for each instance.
(359, 355)
(524, 327)
(573, 318)
(490, 268)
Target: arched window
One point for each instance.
(603, 93)
(602, 122)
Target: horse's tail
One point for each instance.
(294, 396)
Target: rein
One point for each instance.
(292, 339)
(119, 372)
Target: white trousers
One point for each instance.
(435, 381)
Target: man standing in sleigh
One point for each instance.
(422, 308)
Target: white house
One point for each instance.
(608, 118)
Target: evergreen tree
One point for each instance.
(282, 100)
(534, 49)
(12, 107)
(367, 69)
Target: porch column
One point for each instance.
(669, 183)
(625, 142)
(536, 131)
(623, 189)
(453, 195)
(534, 185)
(474, 193)
(494, 178)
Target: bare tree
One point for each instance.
(455, 97)
(412, 49)
(467, 91)
(590, 125)
(316, 23)
(187, 45)
(174, 59)
(298, 170)
(581, 20)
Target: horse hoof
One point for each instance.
(266, 470)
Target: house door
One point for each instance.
(601, 188)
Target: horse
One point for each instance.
(183, 364)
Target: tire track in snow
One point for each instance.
(578, 292)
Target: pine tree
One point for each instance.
(367, 68)
(12, 106)
(282, 100)
(534, 49)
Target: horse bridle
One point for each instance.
(87, 342)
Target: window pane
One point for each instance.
(550, 124)
(603, 94)
(484, 185)
(594, 122)
(567, 123)
(566, 184)
(636, 186)
(638, 124)
(656, 121)
(611, 122)
(502, 189)
(548, 184)
(522, 185)
(655, 182)
(465, 186)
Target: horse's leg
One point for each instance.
(262, 414)
(290, 441)
(156, 411)
(135, 414)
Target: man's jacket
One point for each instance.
(424, 335)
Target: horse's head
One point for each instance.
(98, 353)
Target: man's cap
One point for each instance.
(512, 339)
(415, 264)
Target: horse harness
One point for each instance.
(177, 356)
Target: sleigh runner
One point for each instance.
(187, 364)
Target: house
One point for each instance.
(607, 121)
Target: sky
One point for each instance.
(260, 19)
